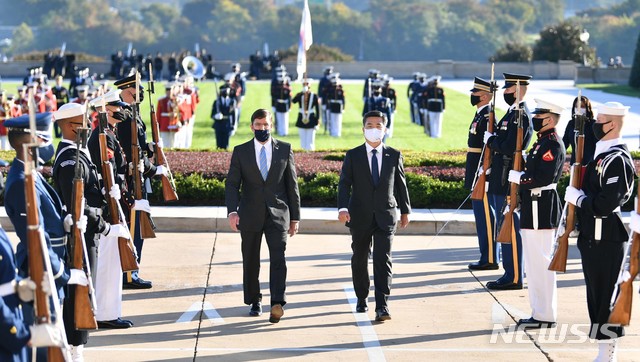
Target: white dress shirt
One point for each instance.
(378, 155)
(268, 148)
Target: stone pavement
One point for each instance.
(440, 310)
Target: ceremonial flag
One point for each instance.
(306, 39)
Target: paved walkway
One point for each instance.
(440, 310)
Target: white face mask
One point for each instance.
(305, 89)
(373, 134)
(581, 111)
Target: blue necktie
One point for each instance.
(264, 170)
(375, 174)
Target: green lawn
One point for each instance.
(407, 136)
(623, 90)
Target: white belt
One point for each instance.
(282, 100)
(8, 288)
(335, 101)
(597, 228)
(61, 241)
(310, 112)
(535, 193)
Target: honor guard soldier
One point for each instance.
(62, 97)
(413, 90)
(540, 213)
(21, 101)
(308, 116)
(435, 107)
(323, 85)
(607, 184)
(503, 145)
(83, 91)
(168, 116)
(281, 102)
(389, 92)
(335, 99)
(5, 113)
(128, 95)
(223, 114)
(108, 271)
(192, 96)
(481, 95)
(367, 91)
(236, 92)
(379, 103)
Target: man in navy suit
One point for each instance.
(261, 194)
(372, 185)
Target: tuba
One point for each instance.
(193, 67)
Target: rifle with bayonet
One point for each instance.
(507, 229)
(559, 260)
(38, 255)
(168, 184)
(128, 257)
(478, 191)
(146, 225)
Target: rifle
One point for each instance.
(168, 184)
(146, 225)
(128, 257)
(507, 230)
(621, 306)
(39, 262)
(478, 190)
(559, 261)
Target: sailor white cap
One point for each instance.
(613, 109)
(107, 98)
(69, 110)
(543, 106)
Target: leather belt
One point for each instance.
(8, 288)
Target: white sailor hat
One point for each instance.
(613, 109)
(82, 88)
(21, 88)
(543, 106)
(437, 78)
(229, 76)
(168, 85)
(69, 110)
(328, 68)
(111, 98)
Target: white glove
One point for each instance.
(25, 289)
(514, 176)
(161, 170)
(217, 116)
(633, 225)
(574, 196)
(43, 335)
(141, 166)
(78, 277)
(487, 135)
(480, 171)
(82, 223)
(142, 205)
(115, 192)
(68, 223)
(159, 143)
(119, 231)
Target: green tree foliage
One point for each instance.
(22, 39)
(513, 52)
(634, 79)
(560, 42)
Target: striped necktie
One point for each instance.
(264, 170)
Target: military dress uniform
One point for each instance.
(223, 114)
(435, 107)
(308, 118)
(281, 103)
(540, 213)
(412, 90)
(323, 85)
(389, 92)
(503, 146)
(482, 212)
(335, 99)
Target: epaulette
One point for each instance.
(68, 163)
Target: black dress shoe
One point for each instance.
(137, 284)
(276, 313)
(114, 324)
(487, 266)
(256, 309)
(382, 315)
(503, 285)
(532, 323)
(127, 321)
(361, 307)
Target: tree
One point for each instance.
(22, 39)
(560, 42)
(513, 52)
(634, 79)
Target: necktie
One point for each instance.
(375, 175)
(264, 170)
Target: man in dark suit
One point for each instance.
(261, 194)
(372, 184)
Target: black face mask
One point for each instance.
(598, 130)
(262, 135)
(510, 98)
(475, 100)
(537, 123)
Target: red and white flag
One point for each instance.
(306, 39)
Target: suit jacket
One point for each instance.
(248, 194)
(366, 202)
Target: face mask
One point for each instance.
(119, 115)
(537, 123)
(377, 92)
(580, 112)
(475, 100)
(45, 153)
(510, 98)
(262, 135)
(305, 89)
(598, 130)
(373, 134)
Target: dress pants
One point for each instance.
(167, 139)
(307, 138)
(382, 273)
(282, 123)
(108, 280)
(541, 282)
(277, 243)
(511, 253)
(485, 220)
(601, 263)
(335, 124)
(435, 123)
